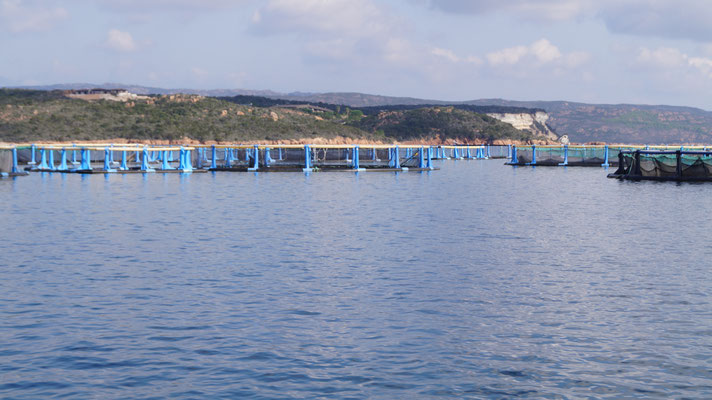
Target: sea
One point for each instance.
(475, 281)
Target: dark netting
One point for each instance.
(5, 161)
(524, 155)
(664, 165)
(549, 155)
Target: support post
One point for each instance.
(533, 155)
(279, 153)
(50, 161)
(605, 156)
(228, 157)
(307, 159)
(396, 157)
(74, 154)
(213, 156)
(164, 161)
(509, 151)
(86, 160)
(455, 153)
(14, 169)
(144, 161)
(43, 159)
(184, 163)
(62, 160)
(488, 151)
(33, 147)
(107, 160)
(268, 157)
(421, 158)
(256, 158)
(429, 163)
(566, 155)
(513, 150)
(469, 153)
(124, 156)
(355, 157)
(373, 154)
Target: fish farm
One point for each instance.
(577, 155)
(137, 158)
(660, 165)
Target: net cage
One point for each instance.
(308, 156)
(221, 157)
(123, 157)
(665, 165)
(566, 155)
(498, 151)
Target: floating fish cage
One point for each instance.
(101, 158)
(574, 156)
(89, 159)
(661, 165)
(313, 157)
(462, 152)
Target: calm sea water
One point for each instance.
(476, 281)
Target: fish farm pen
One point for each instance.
(137, 158)
(577, 155)
(661, 165)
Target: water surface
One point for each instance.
(476, 281)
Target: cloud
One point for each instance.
(681, 19)
(540, 53)
(120, 41)
(337, 30)
(28, 16)
(346, 17)
(667, 59)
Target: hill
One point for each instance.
(437, 121)
(611, 123)
(27, 115)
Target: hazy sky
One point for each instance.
(602, 51)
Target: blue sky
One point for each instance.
(600, 51)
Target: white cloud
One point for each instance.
(509, 56)
(542, 52)
(669, 59)
(445, 53)
(27, 16)
(347, 31)
(120, 41)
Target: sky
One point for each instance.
(595, 51)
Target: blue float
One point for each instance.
(144, 161)
(307, 159)
(62, 160)
(255, 158)
(86, 160)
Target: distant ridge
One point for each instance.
(582, 122)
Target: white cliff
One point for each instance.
(534, 123)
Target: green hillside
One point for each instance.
(428, 122)
(27, 115)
